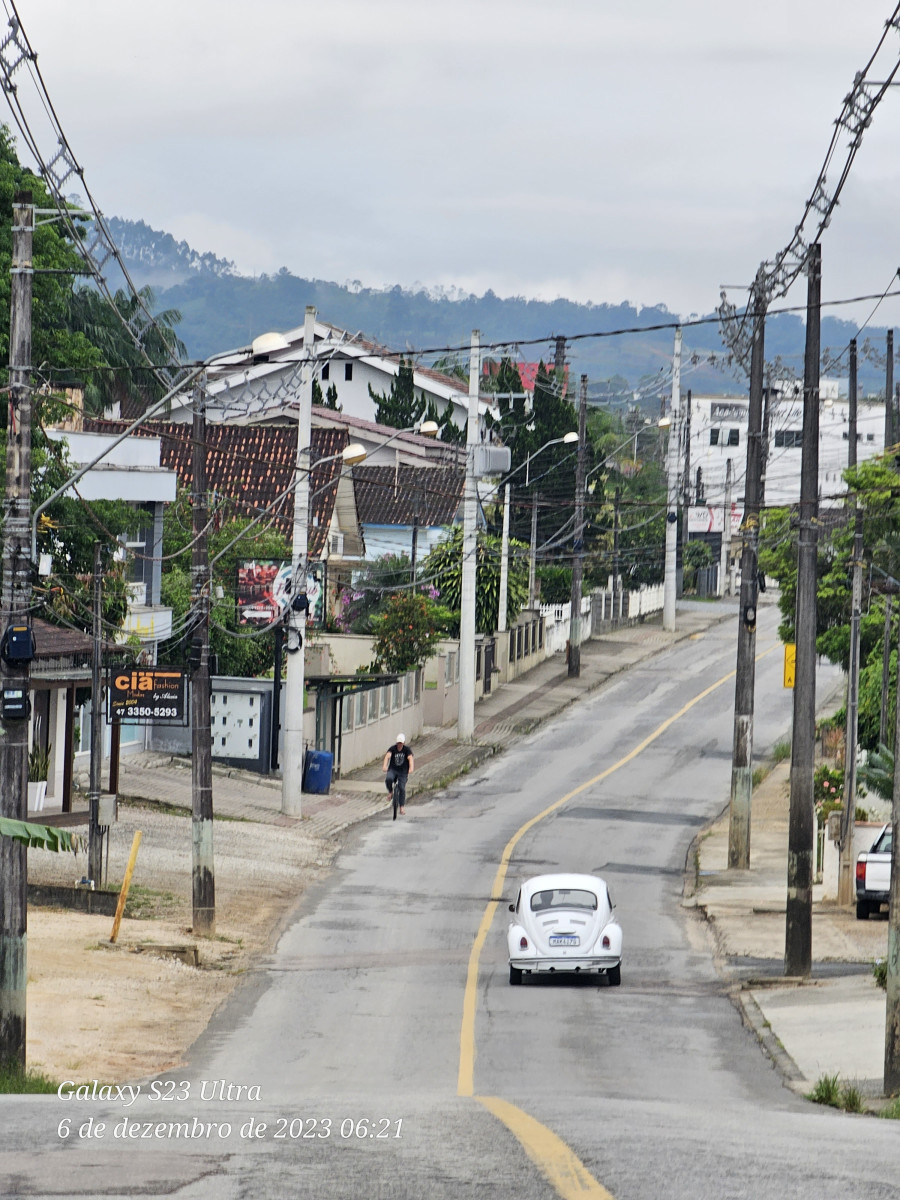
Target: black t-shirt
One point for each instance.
(400, 756)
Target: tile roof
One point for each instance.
(253, 465)
(396, 495)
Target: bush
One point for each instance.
(407, 631)
(879, 970)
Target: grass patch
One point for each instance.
(759, 774)
(892, 1112)
(781, 752)
(21, 1082)
(879, 970)
(831, 1092)
(145, 904)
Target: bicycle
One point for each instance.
(395, 797)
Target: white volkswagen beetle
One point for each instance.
(564, 923)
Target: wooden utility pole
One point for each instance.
(801, 826)
(885, 671)
(745, 671)
(845, 841)
(203, 868)
(95, 839)
(578, 539)
(889, 434)
(15, 602)
(892, 1023)
(686, 480)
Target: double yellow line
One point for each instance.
(562, 1169)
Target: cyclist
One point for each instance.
(398, 764)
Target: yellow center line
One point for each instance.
(565, 1172)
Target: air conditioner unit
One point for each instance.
(336, 545)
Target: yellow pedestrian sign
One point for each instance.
(790, 663)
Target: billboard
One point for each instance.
(264, 592)
(145, 694)
(711, 519)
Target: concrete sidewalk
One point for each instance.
(831, 1023)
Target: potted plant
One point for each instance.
(38, 769)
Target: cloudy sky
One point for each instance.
(602, 151)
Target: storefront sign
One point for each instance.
(147, 694)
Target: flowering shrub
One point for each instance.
(407, 631)
(828, 792)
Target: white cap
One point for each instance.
(401, 737)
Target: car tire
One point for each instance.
(515, 975)
(862, 910)
(614, 975)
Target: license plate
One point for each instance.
(565, 939)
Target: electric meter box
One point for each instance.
(14, 704)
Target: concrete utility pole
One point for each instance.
(669, 579)
(745, 672)
(504, 564)
(16, 598)
(889, 433)
(892, 1022)
(532, 554)
(725, 560)
(95, 840)
(465, 728)
(845, 841)
(203, 869)
(292, 771)
(801, 827)
(578, 539)
(616, 593)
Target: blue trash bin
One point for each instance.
(317, 767)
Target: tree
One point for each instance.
(443, 570)
(407, 631)
(241, 652)
(400, 407)
(329, 399)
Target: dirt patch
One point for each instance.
(126, 1011)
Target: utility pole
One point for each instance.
(892, 1022)
(885, 670)
(745, 672)
(95, 840)
(203, 869)
(292, 769)
(801, 826)
(615, 554)
(532, 587)
(504, 564)
(725, 562)
(578, 539)
(686, 481)
(414, 550)
(669, 580)
(15, 678)
(465, 727)
(889, 434)
(845, 841)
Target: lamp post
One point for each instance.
(465, 724)
(567, 439)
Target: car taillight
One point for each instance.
(605, 942)
(861, 873)
(523, 943)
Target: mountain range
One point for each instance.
(615, 345)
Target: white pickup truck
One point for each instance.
(873, 876)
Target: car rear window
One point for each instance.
(563, 898)
(883, 844)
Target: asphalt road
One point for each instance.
(386, 1055)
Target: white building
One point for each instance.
(718, 433)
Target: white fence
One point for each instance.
(556, 624)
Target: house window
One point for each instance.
(348, 371)
(397, 696)
(361, 706)
(326, 370)
(789, 439)
(347, 714)
(386, 700)
(734, 437)
(714, 437)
